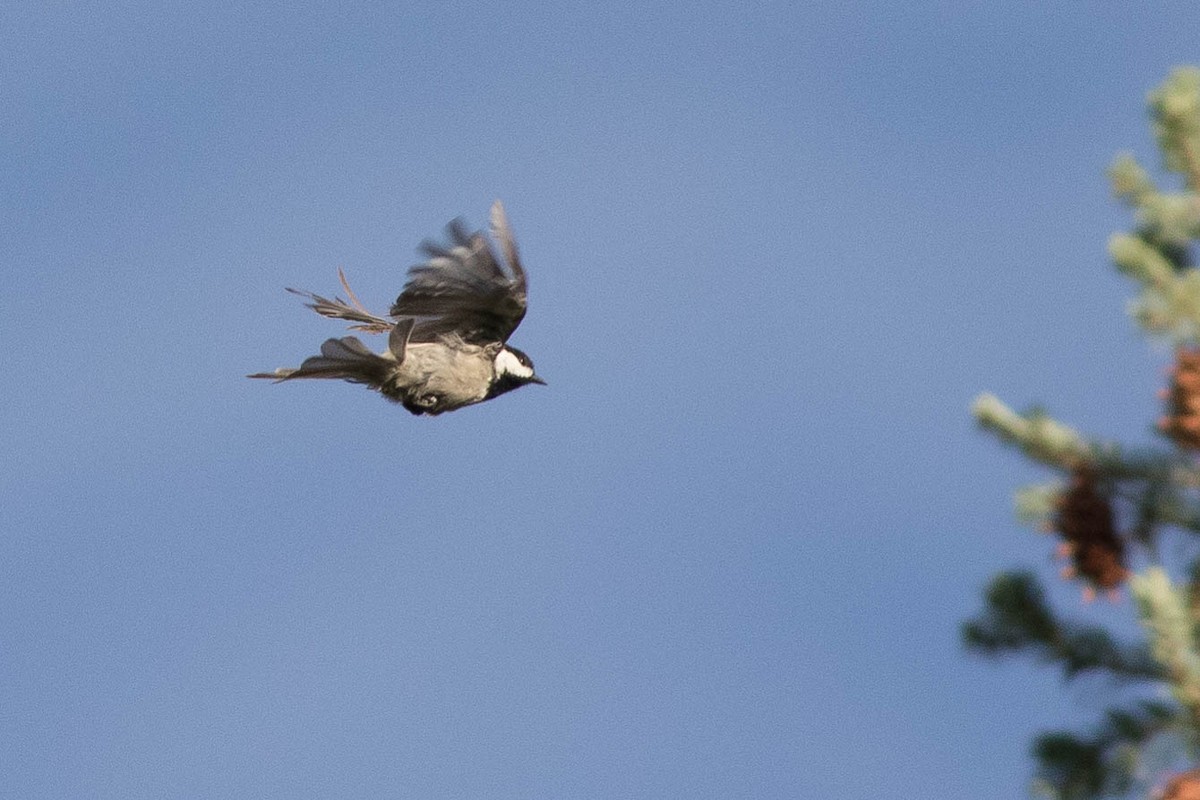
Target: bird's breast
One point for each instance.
(447, 377)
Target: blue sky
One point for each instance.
(774, 252)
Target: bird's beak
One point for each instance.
(537, 380)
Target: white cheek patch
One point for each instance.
(508, 364)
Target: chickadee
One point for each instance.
(447, 339)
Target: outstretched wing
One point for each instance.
(463, 289)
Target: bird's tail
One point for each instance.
(346, 359)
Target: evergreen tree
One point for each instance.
(1114, 506)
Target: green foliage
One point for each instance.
(1017, 619)
(1160, 486)
(1070, 766)
(1103, 762)
(1158, 253)
(1169, 304)
(1040, 437)
(1165, 222)
(1165, 613)
(1155, 492)
(1175, 107)
(1035, 505)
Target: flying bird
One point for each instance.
(447, 331)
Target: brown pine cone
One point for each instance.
(1085, 522)
(1182, 422)
(1185, 786)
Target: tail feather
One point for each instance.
(348, 348)
(346, 359)
(337, 308)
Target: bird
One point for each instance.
(447, 332)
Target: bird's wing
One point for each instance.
(463, 289)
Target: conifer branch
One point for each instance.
(1175, 107)
(1017, 619)
(1104, 761)
(1166, 614)
(1169, 304)
(1036, 434)
(1111, 505)
(1130, 181)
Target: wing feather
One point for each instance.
(463, 289)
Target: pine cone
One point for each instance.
(1085, 522)
(1185, 786)
(1182, 422)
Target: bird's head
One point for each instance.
(513, 370)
